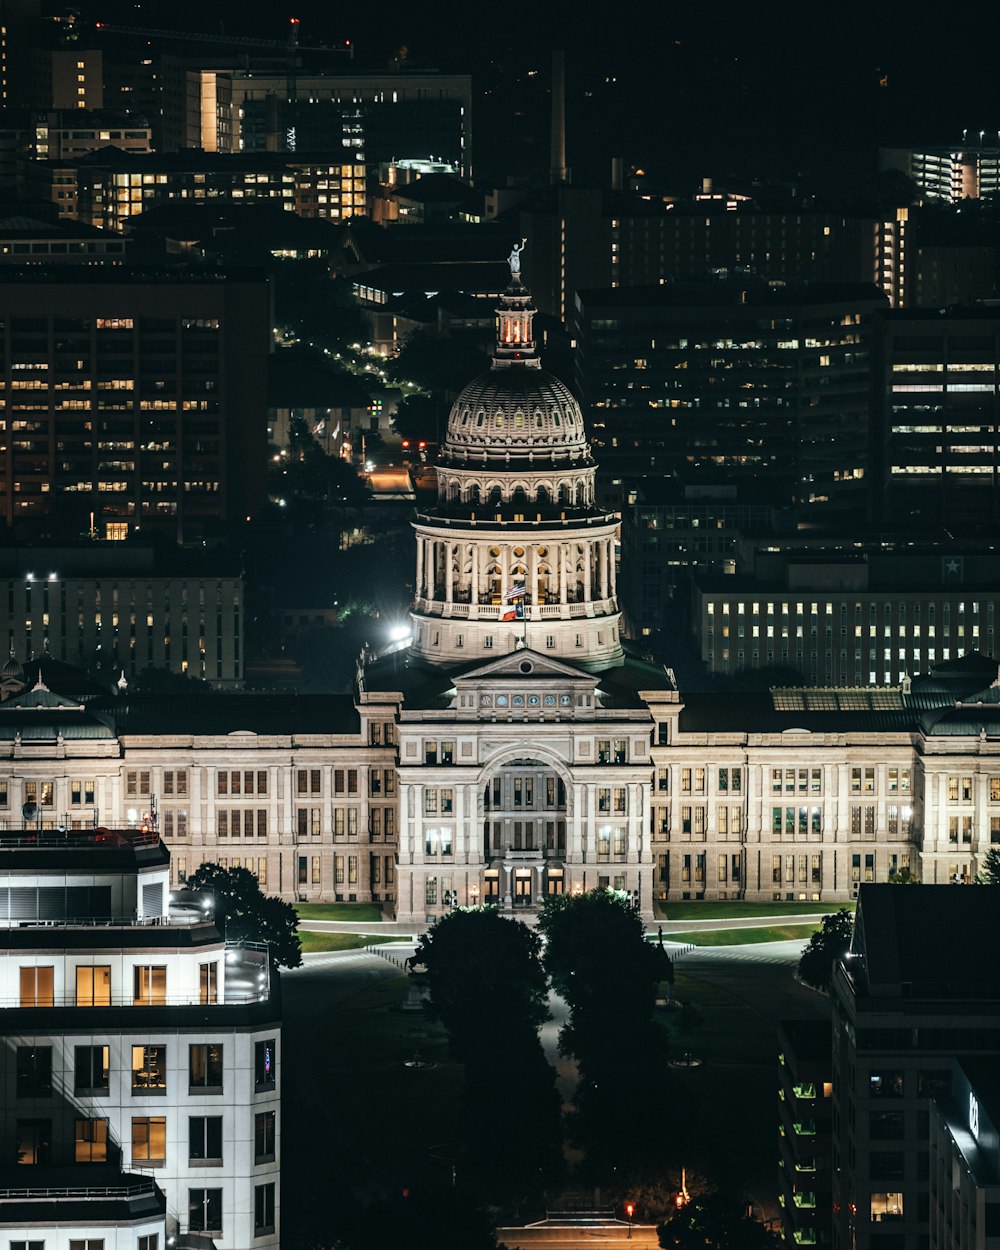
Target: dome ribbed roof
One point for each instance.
(516, 411)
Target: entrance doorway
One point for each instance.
(522, 887)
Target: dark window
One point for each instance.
(205, 1210)
(34, 1071)
(263, 1209)
(90, 1069)
(263, 1137)
(204, 1138)
(206, 1065)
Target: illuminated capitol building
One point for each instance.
(518, 747)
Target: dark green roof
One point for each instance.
(217, 713)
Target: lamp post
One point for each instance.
(474, 895)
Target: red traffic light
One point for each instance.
(406, 442)
(421, 446)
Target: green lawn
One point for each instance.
(707, 910)
(364, 912)
(746, 937)
(342, 941)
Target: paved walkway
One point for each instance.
(390, 928)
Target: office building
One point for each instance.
(848, 617)
(134, 398)
(954, 172)
(964, 1195)
(122, 608)
(140, 1071)
(670, 532)
(736, 378)
(937, 387)
(805, 1127)
(906, 1001)
(107, 188)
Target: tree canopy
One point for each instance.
(485, 974)
(246, 914)
(488, 988)
(826, 947)
(989, 871)
(714, 1222)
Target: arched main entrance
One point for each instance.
(525, 814)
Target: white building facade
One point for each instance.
(139, 1071)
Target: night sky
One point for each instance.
(734, 90)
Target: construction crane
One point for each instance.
(292, 44)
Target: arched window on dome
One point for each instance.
(544, 573)
(539, 421)
(556, 420)
(519, 496)
(480, 418)
(493, 583)
(580, 593)
(496, 496)
(465, 417)
(518, 420)
(542, 497)
(474, 493)
(498, 421)
(564, 493)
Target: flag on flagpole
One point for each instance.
(516, 591)
(515, 613)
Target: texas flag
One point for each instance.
(516, 613)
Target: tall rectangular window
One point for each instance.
(150, 985)
(205, 1067)
(149, 1140)
(205, 1139)
(37, 986)
(93, 986)
(208, 980)
(34, 1071)
(149, 1068)
(91, 1141)
(263, 1209)
(263, 1137)
(90, 1069)
(265, 1065)
(34, 1141)
(205, 1210)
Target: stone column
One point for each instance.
(449, 565)
(532, 581)
(420, 566)
(504, 573)
(563, 587)
(474, 594)
(588, 576)
(603, 565)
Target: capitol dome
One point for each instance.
(516, 411)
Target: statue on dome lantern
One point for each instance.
(514, 259)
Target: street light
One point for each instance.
(629, 1211)
(474, 895)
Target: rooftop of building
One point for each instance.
(913, 944)
(397, 280)
(100, 1194)
(194, 160)
(432, 687)
(129, 275)
(735, 292)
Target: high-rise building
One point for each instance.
(906, 1000)
(134, 399)
(937, 388)
(736, 377)
(140, 1057)
(955, 172)
(805, 1128)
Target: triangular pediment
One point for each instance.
(526, 665)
